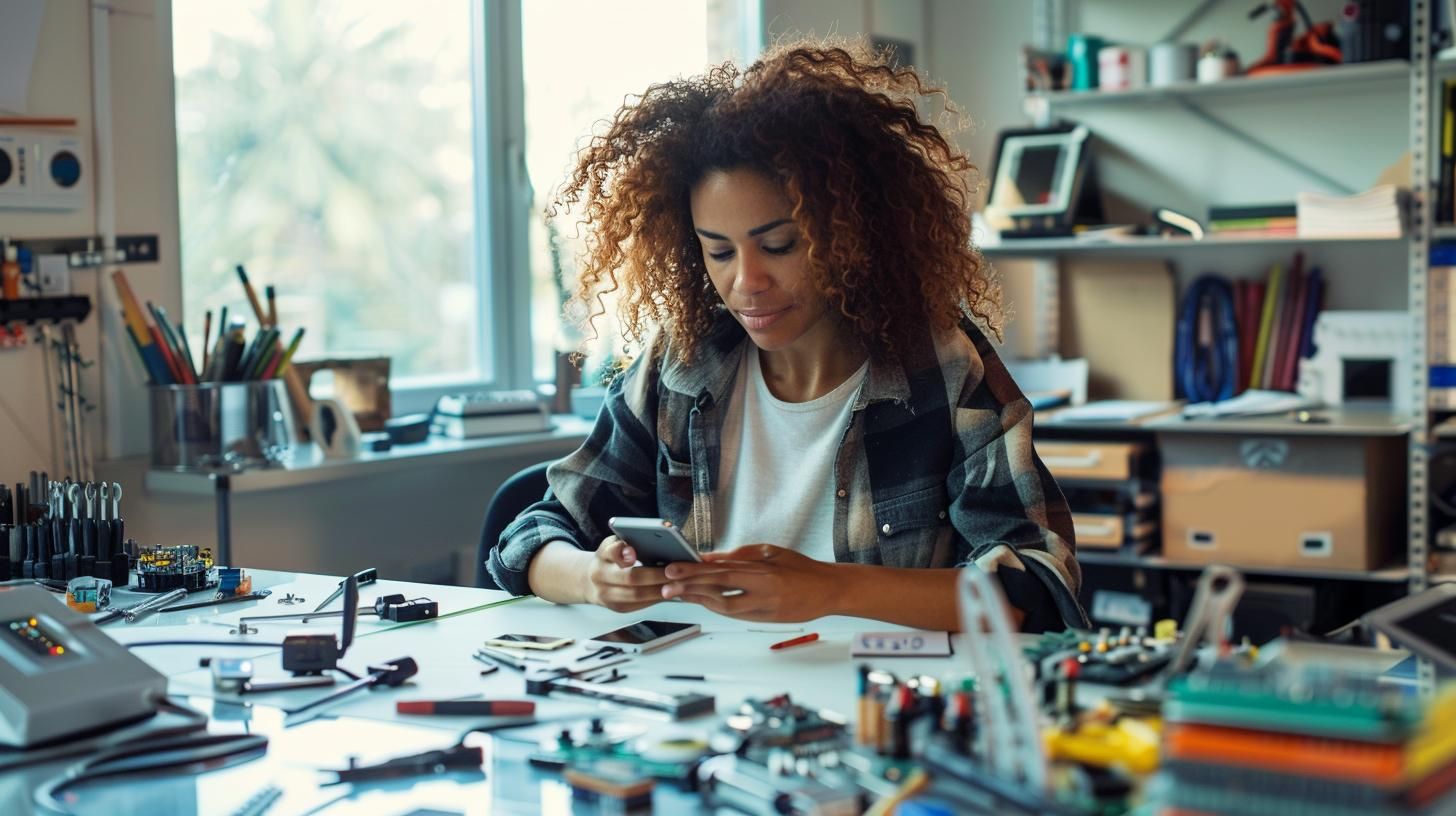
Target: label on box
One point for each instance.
(900, 644)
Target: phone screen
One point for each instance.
(642, 632)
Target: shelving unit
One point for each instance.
(1152, 245)
(1209, 103)
(1389, 575)
(1392, 73)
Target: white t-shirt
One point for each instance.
(776, 471)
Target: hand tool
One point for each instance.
(361, 578)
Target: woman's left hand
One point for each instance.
(772, 583)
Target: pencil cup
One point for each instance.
(210, 426)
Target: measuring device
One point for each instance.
(60, 674)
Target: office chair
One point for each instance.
(519, 492)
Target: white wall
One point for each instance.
(145, 176)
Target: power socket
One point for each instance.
(53, 275)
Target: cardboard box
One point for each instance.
(1319, 502)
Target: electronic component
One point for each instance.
(233, 581)
(60, 674)
(656, 541)
(230, 674)
(596, 750)
(161, 569)
(747, 787)
(647, 635)
(87, 594)
(762, 727)
(611, 786)
(456, 758)
(543, 642)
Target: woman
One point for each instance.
(814, 406)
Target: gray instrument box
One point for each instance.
(60, 674)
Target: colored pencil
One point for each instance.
(292, 348)
(252, 295)
(206, 336)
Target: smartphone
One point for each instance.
(647, 635)
(543, 642)
(656, 541)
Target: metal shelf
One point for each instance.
(1395, 73)
(1389, 575)
(1138, 245)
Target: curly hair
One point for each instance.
(880, 195)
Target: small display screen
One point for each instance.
(642, 632)
(32, 637)
(1037, 173)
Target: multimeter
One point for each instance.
(60, 674)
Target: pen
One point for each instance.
(802, 639)
(469, 708)
(701, 678)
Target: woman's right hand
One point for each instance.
(613, 582)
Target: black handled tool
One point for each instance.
(361, 578)
(393, 673)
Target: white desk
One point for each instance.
(820, 675)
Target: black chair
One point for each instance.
(519, 492)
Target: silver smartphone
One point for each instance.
(647, 635)
(542, 642)
(656, 541)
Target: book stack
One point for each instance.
(1253, 221)
(1276, 325)
(1375, 213)
(1442, 327)
(1446, 172)
(488, 413)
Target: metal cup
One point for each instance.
(213, 426)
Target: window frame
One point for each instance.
(502, 273)
(502, 197)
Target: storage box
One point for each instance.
(1296, 500)
(1081, 461)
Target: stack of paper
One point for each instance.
(1375, 213)
(1113, 411)
(1250, 403)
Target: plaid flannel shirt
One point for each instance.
(936, 469)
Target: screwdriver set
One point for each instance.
(61, 530)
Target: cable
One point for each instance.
(1206, 351)
(203, 643)
(204, 750)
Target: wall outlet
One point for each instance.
(43, 170)
(53, 275)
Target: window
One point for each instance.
(385, 165)
(566, 101)
(329, 147)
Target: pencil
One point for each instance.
(252, 295)
(292, 347)
(130, 306)
(269, 293)
(206, 335)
